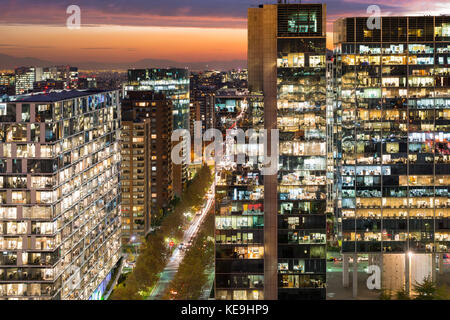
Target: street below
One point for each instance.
(178, 254)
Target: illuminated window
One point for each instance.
(415, 32)
(368, 33)
(302, 23)
(316, 61)
(443, 31)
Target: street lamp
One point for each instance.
(410, 255)
(132, 240)
(187, 214)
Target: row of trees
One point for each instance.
(191, 277)
(192, 198)
(425, 290)
(154, 252)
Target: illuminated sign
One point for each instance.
(99, 292)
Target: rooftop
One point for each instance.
(54, 96)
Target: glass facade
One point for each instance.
(239, 219)
(287, 63)
(392, 135)
(302, 179)
(24, 79)
(59, 194)
(174, 83)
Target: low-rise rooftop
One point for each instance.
(54, 96)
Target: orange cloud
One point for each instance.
(124, 43)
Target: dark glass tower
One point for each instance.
(287, 63)
(239, 233)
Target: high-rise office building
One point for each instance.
(202, 109)
(195, 116)
(287, 63)
(7, 79)
(59, 194)
(146, 166)
(48, 85)
(85, 82)
(239, 220)
(25, 78)
(393, 145)
(174, 83)
(7, 84)
(38, 79)
(66, 74)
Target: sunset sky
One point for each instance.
(130, 30)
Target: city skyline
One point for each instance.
(225, 150)
(119, 31)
